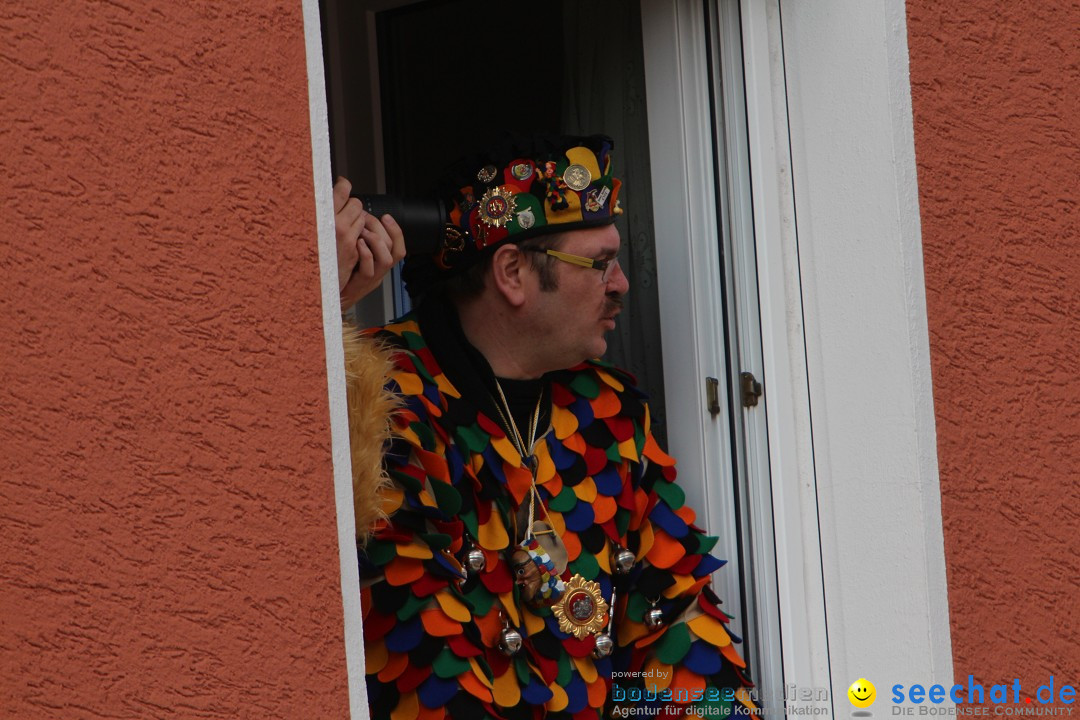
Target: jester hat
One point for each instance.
(521, 188)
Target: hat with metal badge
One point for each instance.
(521, 188)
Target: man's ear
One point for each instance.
(508, 272)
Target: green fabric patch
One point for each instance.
(586, 384)
(412, 606)
(585, 566)
(468, 518)
(472, 438)
(622, 521)
(436, 541)
(671, 493)
(564, 501)
(424, 434)
(414, 342)
(674, 645)
(408, 483)
(613, 453)
(446, 497)
(448, 665)
(706, 543)
(636, 606)
(480, 599)
(566, 670)
(522, 669)
(380, 552)
(526, 202)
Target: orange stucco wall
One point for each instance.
(167, 516)
(997, 140)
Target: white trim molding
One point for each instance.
(856, 265)
(335, 363)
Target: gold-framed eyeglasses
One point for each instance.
(604, 266)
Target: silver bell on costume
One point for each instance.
(475, 561)
(604, 646)
(622, 561)
(654, 618)
(509, 642)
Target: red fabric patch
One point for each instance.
(579, 648)
(499, 579)
(412, 676)
(463, 648)
(595, 460)
(622, 428)
(376, 625)
(428, 585)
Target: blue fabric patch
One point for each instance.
(562, 457)
(536, 693)
(581, 518)
(405, 636)
(494, 463)
(582, 410)
(703, 658)
(671, 523)
(441, 560)
(455, 464)
(436, 692)
(577, 694)
(707, 566)
(607, 481)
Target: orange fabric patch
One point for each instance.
(606, 404)
(654, 453)
(604, 508)
(474, 687)
(454, 608)
(416, 550)
(586, 490)
(492, 535)
(687, 680)
(402, 571)
(710, 630)
(558, 699)
(507, 693)
(375, 657)
(576, 443)
(407, 708)
(394, 667)
(608, 377)
(687, 514)
(666, 550)
(660, 674)
(410, 383)
(437, 624)
(564, 422)
(597, 693)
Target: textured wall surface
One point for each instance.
(167, 521)
(997, 139)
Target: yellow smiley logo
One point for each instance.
(862, 693)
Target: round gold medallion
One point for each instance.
(577, 177)
(582, 610)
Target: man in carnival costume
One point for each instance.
(535, 559)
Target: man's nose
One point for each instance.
(617, 282)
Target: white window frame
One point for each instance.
(787, 603)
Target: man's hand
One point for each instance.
(367, 247)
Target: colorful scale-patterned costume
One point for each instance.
(432, 629)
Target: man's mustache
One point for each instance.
(614, 302)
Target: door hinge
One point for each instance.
(751, 389)
(712, 395)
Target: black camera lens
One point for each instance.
(422, 220)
